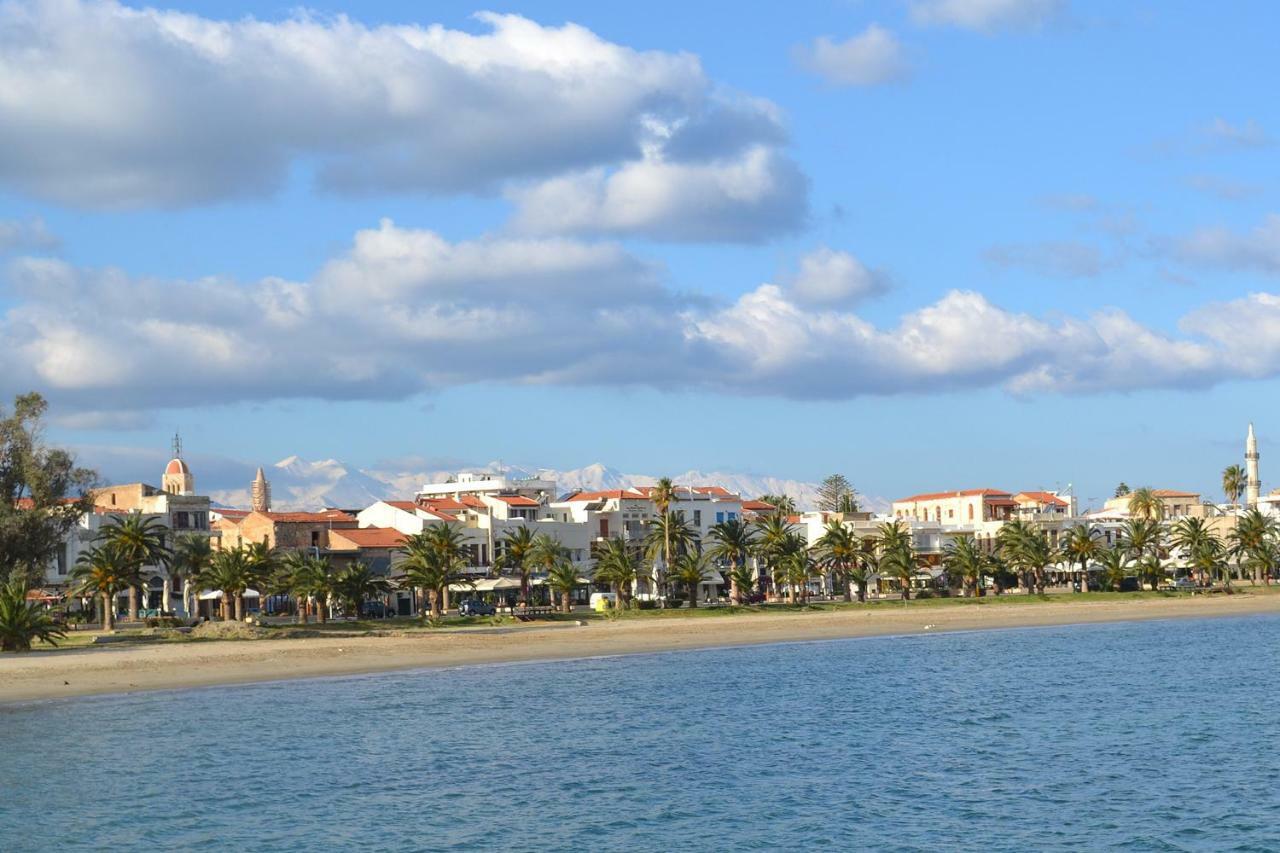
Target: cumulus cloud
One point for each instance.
(1257, 249)
(745, 198)
(987, 15)
(402, 311)
(1056, 258)
(870, 58)
(829, 277)
(26, 235)
(106, 105)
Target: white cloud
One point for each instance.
(987, 15)
(111, 106)
(829, 277)
(1248, 134)
(1258, 249)
(745, 198)
(403, 311)
(26, 235)
(870, 58)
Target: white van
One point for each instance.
(602, 601)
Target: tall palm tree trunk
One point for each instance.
(133, 604)
(239, 606)
(108, 620)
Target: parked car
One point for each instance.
(755, 597)
(476, 607)
(376, 610)
(1184, 584)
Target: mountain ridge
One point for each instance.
(301, 484)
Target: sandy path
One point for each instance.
(108, 669)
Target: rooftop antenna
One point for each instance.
(177, 445)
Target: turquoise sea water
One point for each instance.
(1141, 736)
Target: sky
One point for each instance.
(930, 244)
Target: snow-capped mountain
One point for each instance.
(302, 484)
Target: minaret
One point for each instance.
(1254, 487)
(260, 493)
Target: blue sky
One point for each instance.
(931, 244)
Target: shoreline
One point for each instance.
(108, 669)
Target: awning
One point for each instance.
(543, 581)
(42, 595)
(216, 594)
(486, 585)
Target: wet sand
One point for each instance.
(127, 667)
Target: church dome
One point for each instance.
(177, 466)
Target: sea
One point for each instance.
(1126, 736)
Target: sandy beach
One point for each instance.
(129, 668)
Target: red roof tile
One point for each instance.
(614, 494)
(369, 537)
(445, 503)
(516, 500)
(1174, 493)
(1041, 497)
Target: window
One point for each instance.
(719, 518)
(181, 520)
(604, 528)
(971, 512)
(315, 539)
(62, 559)
(697, 518)
(951, 513)
(733, 516)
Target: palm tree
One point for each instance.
(22, 621)
(797, 567)
(618, 566)
(517, 545)
(1143, 537)
(1023, 546)
(434, 559)
(192, 553)
(1249, 543)
(867, 564)
(104, 572)
(356, 584)
(546, 553)
(306, 579)
(839, 549)
(263, 561)
(966, 561)
(233, 570)
(140, 540)
(772, 541)
(785, 504)
(1145, 504)
(897, 554)
(692, 570)
(732, 541)
(1200, 546)
(663, 494)
(669, 536)
(740, 578)
(1081, 546)
(563, 579)
(1234, 479)
(1115, 566)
